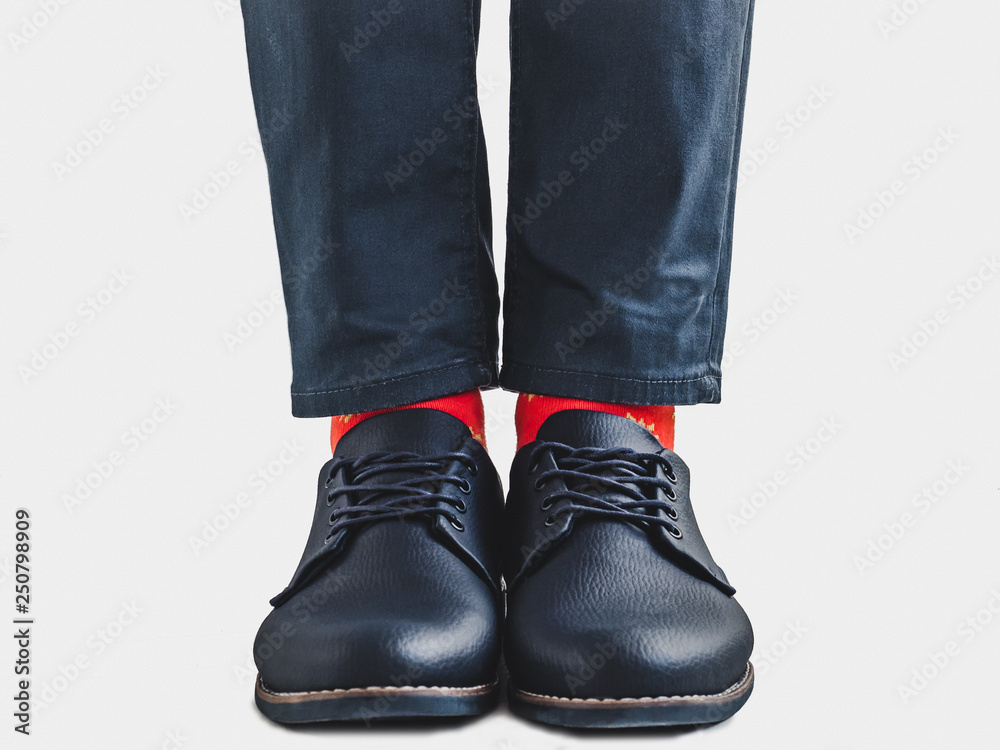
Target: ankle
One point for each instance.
(467, 407)
(532, 410)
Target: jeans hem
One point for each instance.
(610, 388)
(397, 391)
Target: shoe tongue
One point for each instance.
(583, 428)
(423, 431)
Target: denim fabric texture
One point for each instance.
(625, 127)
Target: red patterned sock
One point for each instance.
(466, 406)
(532, 410)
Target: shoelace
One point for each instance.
(417, 495)
(623, 471)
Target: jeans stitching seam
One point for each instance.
(535, 368)
(740, 93)
(472, 156)
(514, 286)
(381, 383)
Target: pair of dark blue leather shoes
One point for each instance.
(616, 614)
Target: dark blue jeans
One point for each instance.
(625, 126)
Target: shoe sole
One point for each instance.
(374, 704)
(611, 713)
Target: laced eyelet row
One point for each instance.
(623, 471)
(409, 497)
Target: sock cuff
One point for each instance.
(467, 406)
(532, 410)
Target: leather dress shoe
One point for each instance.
(395, 609)
(617, 615)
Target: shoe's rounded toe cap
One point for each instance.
(582, 627)
(365, 623)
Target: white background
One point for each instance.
(835, 642)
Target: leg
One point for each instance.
(380, 195)
(376, 162)
(625, 128)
